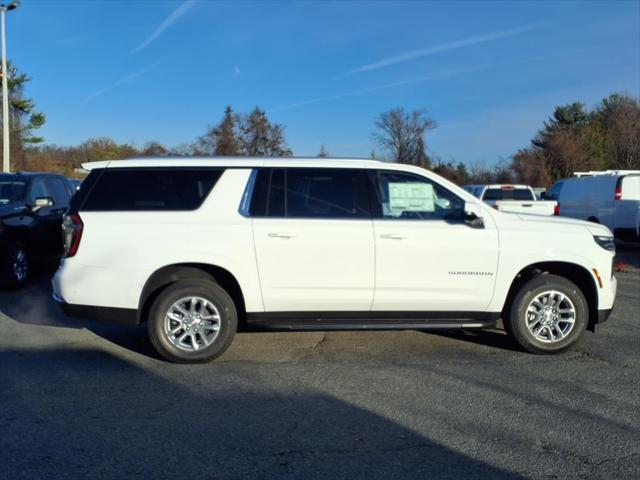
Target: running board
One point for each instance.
(287, 321)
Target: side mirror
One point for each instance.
(473, 215)
(42, 202)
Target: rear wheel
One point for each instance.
(192, 321)
(548, 315)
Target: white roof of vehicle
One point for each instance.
(593, 173)
(507, 185)
(248, 162)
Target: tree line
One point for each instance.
(573, 138)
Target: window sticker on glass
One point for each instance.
(411, 197)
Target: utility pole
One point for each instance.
(6, 163)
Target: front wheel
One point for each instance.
(192, 321)
(16, 266)
(548, 315)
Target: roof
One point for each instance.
(248, 162)
(498, 185)
(30, 174)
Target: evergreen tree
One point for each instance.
(261, 138)
(323, 152)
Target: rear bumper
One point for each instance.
(123, 316)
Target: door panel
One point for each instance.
(427, 258)
(315, 265)
(314, 242)
(432, 265)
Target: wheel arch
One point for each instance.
(169, 274)
(571, 271)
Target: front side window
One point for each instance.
(554, 192)
(405, 196)
(38, 190)
(150, 189)
(332, 193)
(59, 190)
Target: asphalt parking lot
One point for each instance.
(83, 399)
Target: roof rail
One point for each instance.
(593, 173)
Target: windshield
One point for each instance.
(11, 189)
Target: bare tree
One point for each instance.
(402, 134)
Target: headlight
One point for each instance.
(605, 242)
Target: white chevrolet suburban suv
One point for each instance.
(200, 247)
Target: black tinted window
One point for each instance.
(311, 193)
(506, 193)
(150, 189)
(59, 190)
(11, 189)
(268, 193)
(38, 190)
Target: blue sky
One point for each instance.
(488, 72)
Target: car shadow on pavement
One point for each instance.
(496, 338)
(34, 305)
(79, 413)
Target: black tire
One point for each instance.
(15, 270)
(207, 290)
(516, 321)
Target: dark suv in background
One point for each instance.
(31, 208)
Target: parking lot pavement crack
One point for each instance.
(585, 461)
(315, 349)
(596, 465)
(349, 451)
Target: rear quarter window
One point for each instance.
(148, 189)
(508, 194)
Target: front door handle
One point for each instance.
(281, 235)
(392, 236)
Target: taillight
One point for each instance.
(556, 209)
(618, 193)
(71, 233)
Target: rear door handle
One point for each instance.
(392, 236)
(281, 235)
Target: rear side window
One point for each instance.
(311, 193)
(148, 189)
(508, 194)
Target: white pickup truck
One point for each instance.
(513, 198)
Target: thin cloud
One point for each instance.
(166, 23)
(444, 47)
(123, 80)
(424, 78)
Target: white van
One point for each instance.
(611, 198)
